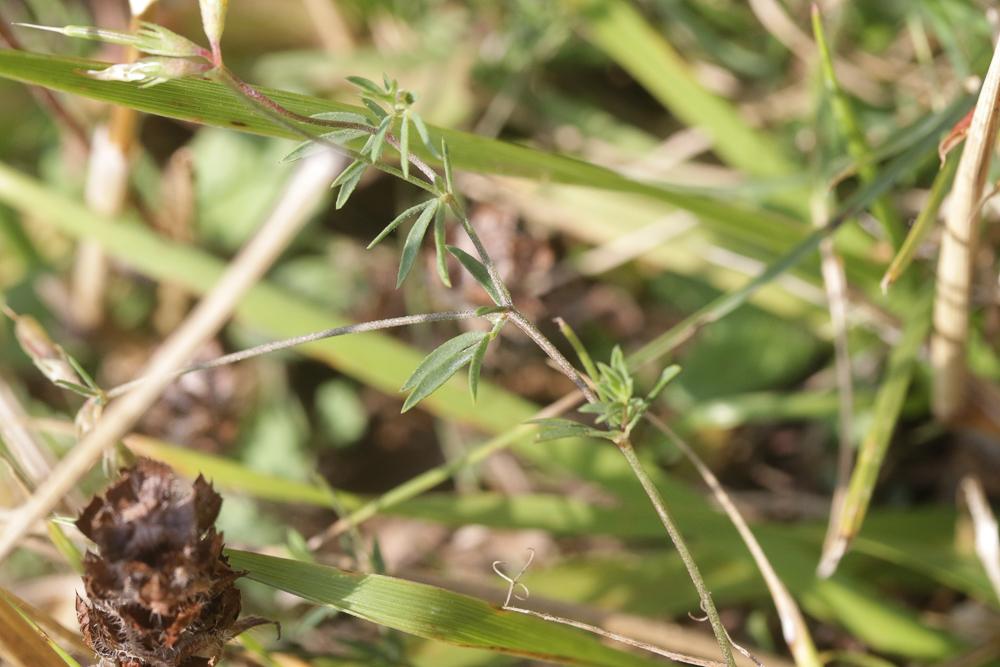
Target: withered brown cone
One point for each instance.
(160, 590)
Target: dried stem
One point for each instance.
(958, 248)
(33, 457)
(984, 525)
(307, 186)
(284, 344)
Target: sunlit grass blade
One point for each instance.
(232, 476)
(852, 131)
(617, 28)
(923, 224)
(23, 643)
(871, 453)
(211, 103)
(432, 613)
(65, 547)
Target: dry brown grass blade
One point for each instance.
(987, 534)
(958, 245)
(32, 456)
(21, 644)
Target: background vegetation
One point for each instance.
(749, 190)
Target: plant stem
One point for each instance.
(793, 626)
(625, 446)
(275, 346)
(561, 361)
(289, 119)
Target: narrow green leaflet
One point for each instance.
(422, 132)
(440, 353)
(440, 246)
(366, 85)
(379, 112)
(400, 219)
(378, 139)
(476, 366)
(404, 144)
(413, 240)
(433, 613)
(439, 373)
(478, 271)
(342, 117)
(307, 148)
(557, 429)
(348, 180)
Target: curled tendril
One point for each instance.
(514, 583)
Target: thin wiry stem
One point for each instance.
(561, 361)
(290, 120)
(793, 625)
(721, 636)
(514, 583)
(621, 639)
(284, 344)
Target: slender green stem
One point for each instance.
(292, 121)
(682, 550)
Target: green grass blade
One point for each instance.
(210, 103)
(871, 453)
(230, 475)
(440, 246)
(729, 301)
(850, 127)
(620, 31)
(432, 613)
(924, 222)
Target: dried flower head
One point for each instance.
(160, 591)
